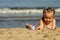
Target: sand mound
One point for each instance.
(25, 34)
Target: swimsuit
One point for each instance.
(35, 25)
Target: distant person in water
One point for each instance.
(47, 20)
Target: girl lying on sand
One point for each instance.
(47, 20)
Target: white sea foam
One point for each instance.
(58, 10)
(7, 10)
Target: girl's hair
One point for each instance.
(48, 9)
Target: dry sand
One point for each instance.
(25, 34)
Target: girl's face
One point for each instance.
(48, 17)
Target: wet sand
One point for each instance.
(25, 34)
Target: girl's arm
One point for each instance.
(54, 24)
(40, 27)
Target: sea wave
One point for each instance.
(8, 10)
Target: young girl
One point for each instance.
(46, 21)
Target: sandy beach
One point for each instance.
(25, 34)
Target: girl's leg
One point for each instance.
(33, 27)
(28, 26)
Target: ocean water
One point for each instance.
(15, 19)
(15, 23)
(11, 22)
(20, 23)
(6, 21)
(29, 3)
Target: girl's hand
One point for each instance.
(39, 28)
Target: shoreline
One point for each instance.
(25, 34)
